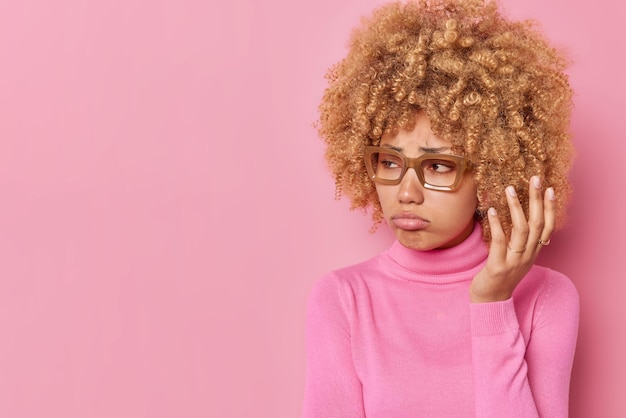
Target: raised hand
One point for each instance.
(508, 262)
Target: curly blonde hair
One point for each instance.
(491, 86)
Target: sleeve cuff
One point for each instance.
(493, 318)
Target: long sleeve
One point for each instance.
(332, 386)
(518, 378)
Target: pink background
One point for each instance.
(166, 209)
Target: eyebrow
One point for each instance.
(427, 150)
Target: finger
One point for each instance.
(549, 213)
(536, 211)
(498, 248)
(519, 233)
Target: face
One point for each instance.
(425, 219)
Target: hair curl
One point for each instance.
(491, 86)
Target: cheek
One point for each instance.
(469, 201)
(461, 204)
(386, 196)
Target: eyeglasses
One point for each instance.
(435, 171)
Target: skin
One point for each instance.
(508, 263)
(448, 217)
(425, 219)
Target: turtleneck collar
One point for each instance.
(458, 263)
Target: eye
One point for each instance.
(389, 161)
(389, 164)
(440, 166)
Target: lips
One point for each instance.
(409, 221)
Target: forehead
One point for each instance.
(416, 139)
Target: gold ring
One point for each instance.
(516, 251)
(544, 243)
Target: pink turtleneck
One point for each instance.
(397, 336)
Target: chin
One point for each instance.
(415, 240)
(424, 241)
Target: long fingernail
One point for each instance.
(511, 191)
(550, 193)
(536, 182)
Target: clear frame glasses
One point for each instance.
(435, 171)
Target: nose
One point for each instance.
(411, 190)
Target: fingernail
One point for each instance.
(536, 182)
(511, 191)
(550, 193)
(492, 212)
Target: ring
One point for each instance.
(544, 243)
(517, 251)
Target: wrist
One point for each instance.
(489, 297)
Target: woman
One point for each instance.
(449, 122)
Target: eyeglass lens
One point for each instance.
(439, 171)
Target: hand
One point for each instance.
(508, 263)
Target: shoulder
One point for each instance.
(350, 276)
(548, 293)
(551, 283)
(341, 287)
